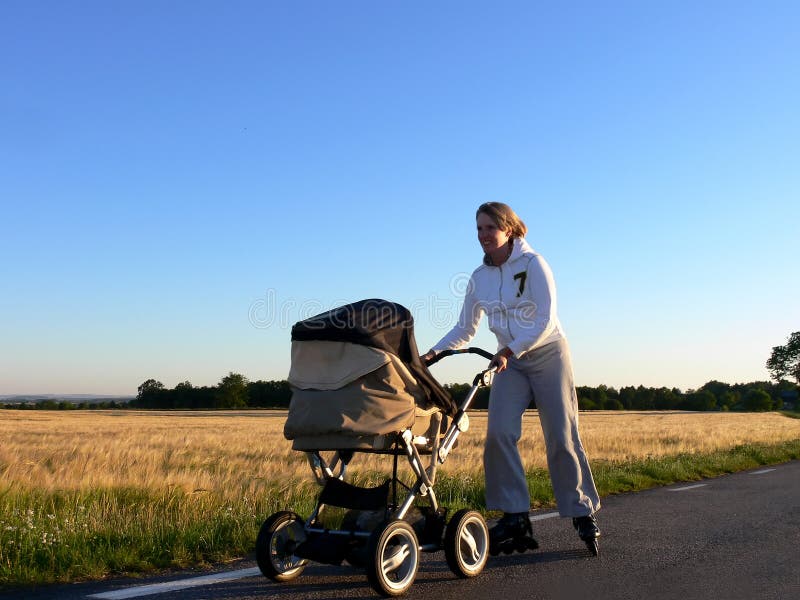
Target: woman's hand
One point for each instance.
(427, 357)
(500, 360)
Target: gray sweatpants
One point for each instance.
(547, 373)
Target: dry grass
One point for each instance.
(230, 454)
(194, 451)
(622, 436)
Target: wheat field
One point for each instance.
(238, 452)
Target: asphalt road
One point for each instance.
(734, 537)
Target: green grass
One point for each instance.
(616, 478)
(71, 535)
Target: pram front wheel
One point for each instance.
(277, 540)
(466, 543)
(393, 558)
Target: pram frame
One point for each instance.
(440, 447)
(405, 443)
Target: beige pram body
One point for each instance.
(348, 396)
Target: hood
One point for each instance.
(378, 324)
(519, 247)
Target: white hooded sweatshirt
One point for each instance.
(519, 298)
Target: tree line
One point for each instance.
(714, 395)
(234, 391)
(65, 405)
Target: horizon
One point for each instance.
(183, 182)
(133, 395)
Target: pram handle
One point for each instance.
(445, 353)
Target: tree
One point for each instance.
(148, 393)
(665, 399)
(784, 362)
(600, 396)
(729, 400)
(269, 394)
(627, 395)
(232, 391)
(612, 403)
(148, 386)
(644, 398)
(699, 400)
(182, 395)
(586, 399)
(718, 388)
(757, 400)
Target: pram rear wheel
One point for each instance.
(393, 558)
(466, 543)
(277, 540)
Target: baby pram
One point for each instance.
(359, 386)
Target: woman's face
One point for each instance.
(491, 238)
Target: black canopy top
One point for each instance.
(379, 324)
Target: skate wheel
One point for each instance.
(526, 543)
(593, 546)
(466, 543)
(277, 539)
(393, 558)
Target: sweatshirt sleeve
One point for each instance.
(540, 319)
(467, 325)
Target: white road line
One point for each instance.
(544, 516)
(687, 487)
(762, 471)
(180, 584)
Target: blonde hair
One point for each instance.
(504, 217)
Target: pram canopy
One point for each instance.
(356, 377)
(380, 324)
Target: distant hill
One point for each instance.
(73, 398)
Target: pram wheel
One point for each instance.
(277, 540)
(393, 558)
(466, 543)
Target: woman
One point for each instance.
(514, 287)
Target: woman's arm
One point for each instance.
(467, 325)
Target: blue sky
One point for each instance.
(182, 181)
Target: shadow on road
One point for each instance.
(344, 583)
